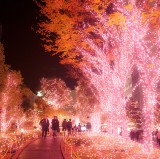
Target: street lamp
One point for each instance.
(39, 93)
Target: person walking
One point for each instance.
(158, 137)
(44, 123)
(79, 128)
(64, 126)
(88, 126)
(55, 125)
(69, 127)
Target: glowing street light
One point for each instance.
(39, 93)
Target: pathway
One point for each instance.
(49, 148)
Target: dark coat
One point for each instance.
(44, 124)
(64, 125)
(69, 125)
(55, 124)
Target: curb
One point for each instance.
(16, 155)
(62, 147)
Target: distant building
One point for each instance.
(128, 87)
(137, 94)
(134, 106)
(133, 80)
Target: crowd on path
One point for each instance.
(67, 127)
(156, 136)
(137, 135)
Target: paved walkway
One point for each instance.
(49, 148)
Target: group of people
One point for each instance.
(137, 135)
(156, 136)
(44, 123)
(66, 126)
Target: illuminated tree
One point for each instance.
(11, 100)
(110, 63)
(125, 34)
(3, 74)
(62, 24)
(56, 93)
(28, 98)
(42, 109)
(86, 100)
(95, 65)
(145, 46)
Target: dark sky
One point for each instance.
(23, 47)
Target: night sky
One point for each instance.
(23, 47)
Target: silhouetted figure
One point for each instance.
(79, 127)
(55, 125)
(69, 127)
(158, 137)
(64, 126)
(45, 126)
(74, 129)
(136, 135)
(132, 133)
(88, 126)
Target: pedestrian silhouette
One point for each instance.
(69, 127)
(55, 125)
(44, 123)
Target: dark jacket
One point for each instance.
(64, 125)
(55, 124)
(44, 124)
(69, 125)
